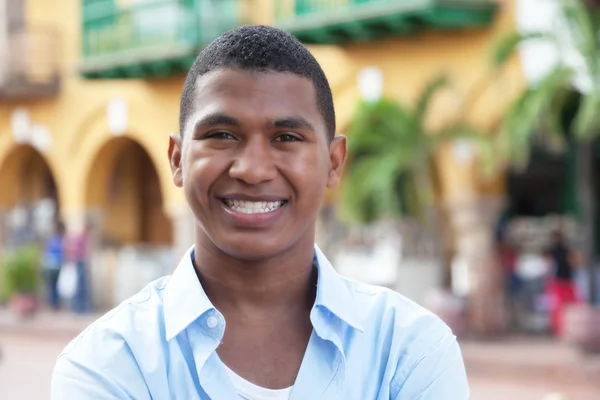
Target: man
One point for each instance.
(77, 252)
(53, 259)
(561, 286)
(255, 310)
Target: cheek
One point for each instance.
(202, 169)
(308, 172)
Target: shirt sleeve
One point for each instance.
(439, 375)
(87, 373)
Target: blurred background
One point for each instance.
(472, 184)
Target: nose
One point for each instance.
(254, 163)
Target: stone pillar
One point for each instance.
(183, 231)
(473, 223)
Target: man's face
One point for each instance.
(255, 160)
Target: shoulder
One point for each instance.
(413, 329)
(114, 355)
(135, 323)
(420, 349)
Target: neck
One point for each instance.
(284, 282)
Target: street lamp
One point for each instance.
(21, 125)
(117, 114)
(370, 84)
(463, 151)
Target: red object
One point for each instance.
(23, 305)
(508, 258)
(562, 293)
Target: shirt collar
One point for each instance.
(334, 294)
(185, 300)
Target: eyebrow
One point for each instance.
(223, 119)
(216, 119)
(294, 123)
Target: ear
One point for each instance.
(175, 150)
(337, 155)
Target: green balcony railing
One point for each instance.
(149, 36)
(305, 7)
(339, 20)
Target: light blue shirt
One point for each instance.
(367, 343)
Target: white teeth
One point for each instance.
(253, 207)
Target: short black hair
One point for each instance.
(259, 48)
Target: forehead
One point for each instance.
(257, 95)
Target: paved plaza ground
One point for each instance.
(517, 369)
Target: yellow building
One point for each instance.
(89, 91)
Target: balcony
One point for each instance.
(340, 21)
(29, 67)
(151, 38)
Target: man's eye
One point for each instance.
(286, 137)
(220, 135)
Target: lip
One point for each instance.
(247, 197)
(261, 220)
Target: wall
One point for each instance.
(78, 123)
(77, 118)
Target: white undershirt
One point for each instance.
(249, 391)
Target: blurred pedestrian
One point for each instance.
(561, 285)
(77, 252)
(508, 255)
(52, 261)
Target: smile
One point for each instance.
(254, 207)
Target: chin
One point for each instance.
(254, 246)
(251, 251)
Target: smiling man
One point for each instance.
(254, 310)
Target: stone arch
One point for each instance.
(123, 187)
(29, 194)
(154, 140)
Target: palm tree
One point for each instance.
(392, 174)
(534, 118)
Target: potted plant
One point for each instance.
(22, 280)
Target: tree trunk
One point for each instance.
(473, 222)
(586, 188)
(426, 178)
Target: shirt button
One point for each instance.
(212, 322)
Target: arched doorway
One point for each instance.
(133, 235)
(29, 197)
(124, 189)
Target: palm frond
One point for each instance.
(587, 122)
(369, 190)
(424, 100)
(507, 46)
(389, 172)
(490, 160)
(521, 122)
(376, 125)
(552, 132)
(582, 32)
